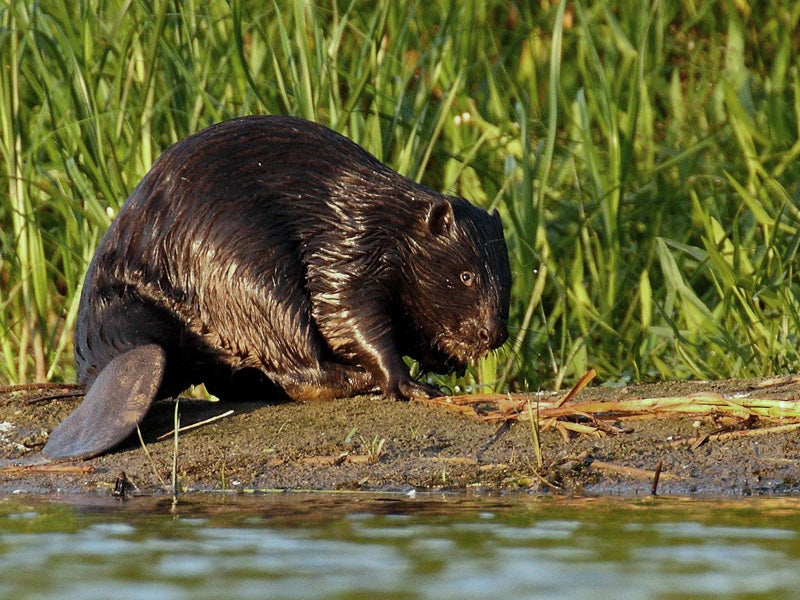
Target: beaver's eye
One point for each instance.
(467, 278)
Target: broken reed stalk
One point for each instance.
(497, 407)
(594, 417)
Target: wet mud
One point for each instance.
(370, 443)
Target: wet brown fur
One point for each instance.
(272, 251)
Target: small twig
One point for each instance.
(582, 383)
(702, 439)
(777, 381)
(544, 480)
(501, 431)
(582, 428)
(48, 469)
(737, 433)
(171, 433)
(656, 477)
(46, 385)
(629, 471)
(55, 397)
(562, 430)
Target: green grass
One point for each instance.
(644, 157)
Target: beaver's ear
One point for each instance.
(440, 217)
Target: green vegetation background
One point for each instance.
(643, 156)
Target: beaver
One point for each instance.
(271, 253)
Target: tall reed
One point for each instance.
(643, 156)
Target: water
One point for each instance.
(383, 546)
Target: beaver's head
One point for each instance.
(457, 283)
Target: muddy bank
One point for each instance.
(374, 444)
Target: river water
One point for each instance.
(393, 546)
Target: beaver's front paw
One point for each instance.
(409, 388)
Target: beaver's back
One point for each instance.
(223, 242)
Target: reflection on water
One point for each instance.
(365, 546)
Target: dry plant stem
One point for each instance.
(150, 458)
(500, 432)
(550, 484)
(577, 428)
(186, 428)
(632, 472)
(777, 381)
(536, 440)
(656, 477)
(55, 397)
(176, 432)
(22, 469)
(696, 404)
(592, 418)
(513, 406)
(739, 433)
(582, 383)
(47, 385)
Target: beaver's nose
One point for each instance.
(494, 335)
